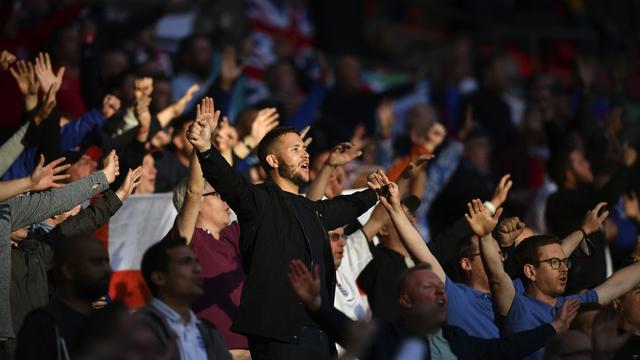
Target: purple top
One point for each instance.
(223, 278)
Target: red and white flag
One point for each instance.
(141, 221)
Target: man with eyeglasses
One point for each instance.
(543, 266)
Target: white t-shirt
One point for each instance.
(348, 299)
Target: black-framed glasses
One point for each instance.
(555, 262)
(212, 193)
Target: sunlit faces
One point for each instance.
(183, 278)
(473, 266)
(148, 178)
(292, 158)
(337, 245)
(214, 208)
(549, 281)
(425, 288)
(82, 168)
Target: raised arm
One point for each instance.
(97, 214)
(13, 147)
(519, 345)
(38, 206)
(340, 155)
(482, 224)
(188, 214)
(591, 223)
(413, 169)
(176, 109)
(233, 188)
(377, 220)
(306, 286)
(42, 178)
(408, 233)
(619, 283)
(266, 120)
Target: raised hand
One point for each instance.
(179, 106)
(45, 75)
(304, 133)
(45, 177)
(25, 76)
(110, 105)
(631, 206)
(229, 68)
(226, 136)
(377, 181)
(386, 119)
(479, 218)
(594, 219)
(48, 104)
(130, 182)
(142, 112)
(415, 165)
(605, 336)
(502, 191)
(6, 59)
(111, 167)
(390, 198)
(305, 284)
(208, 113)
(508, 231)
(342, 154)
(199, 132)
(565, 315)
(266, 120)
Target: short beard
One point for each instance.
(89, 289)
(289, 172)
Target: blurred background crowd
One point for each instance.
(546, 92)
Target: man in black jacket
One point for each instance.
(277, 226)
(423, 301)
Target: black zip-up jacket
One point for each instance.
(271, 235)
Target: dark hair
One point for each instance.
(527, 251)
(157, 259)
(401, 285)
(465, 247)
(265, 145)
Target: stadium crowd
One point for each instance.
(361, 180)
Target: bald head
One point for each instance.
(82, 266)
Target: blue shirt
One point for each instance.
(527, 312)
(71, 135)
(471, 310)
